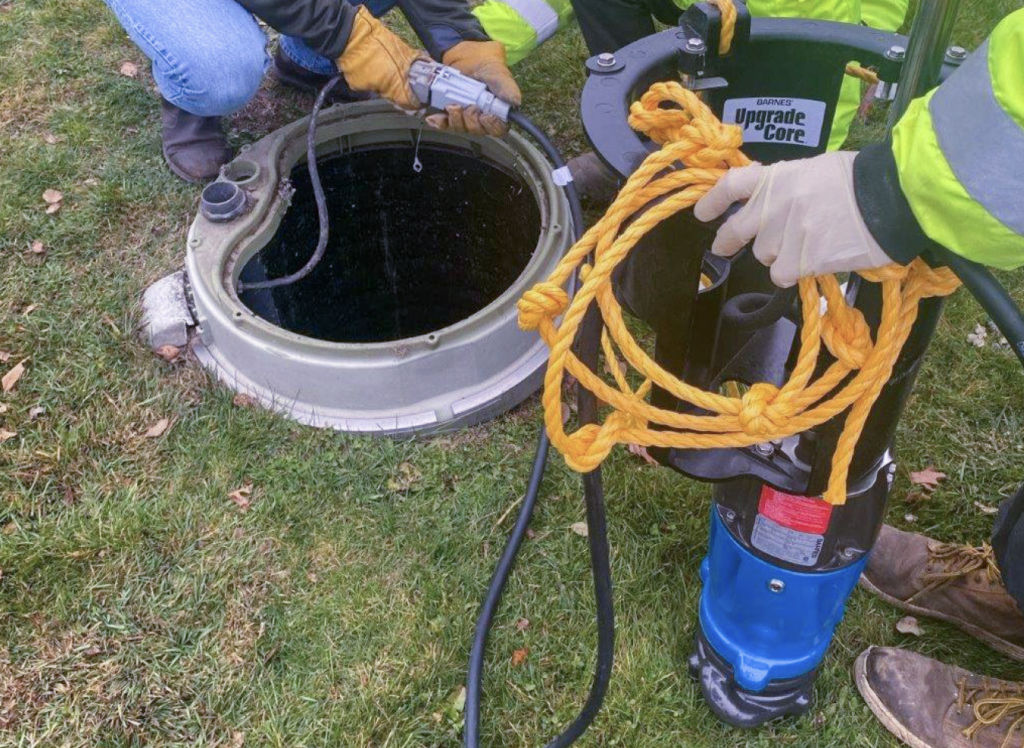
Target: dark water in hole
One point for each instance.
(408, 253)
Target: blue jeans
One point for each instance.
(209, 56)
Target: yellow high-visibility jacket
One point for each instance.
(522, 25)
(954, 172)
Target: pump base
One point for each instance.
(737, 706)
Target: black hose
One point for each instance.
(318, 195)
(525, 124)
(597, 534)
(992, 297)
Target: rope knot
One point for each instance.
(759, 414)
(717, 143)
(544, 301)
(847, 335)
(588, 447)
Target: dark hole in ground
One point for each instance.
(409, 252)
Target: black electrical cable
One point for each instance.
(596, 522)
(991, 295)
(318, 195)
(525, 124)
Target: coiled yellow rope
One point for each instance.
(696, 152)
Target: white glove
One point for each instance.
(801, 215)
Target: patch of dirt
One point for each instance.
(273, 106)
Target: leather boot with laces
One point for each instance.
(954, 583)
(928, 704)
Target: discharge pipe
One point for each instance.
(929, 40)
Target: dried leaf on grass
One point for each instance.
(928, 479)
(522, 624)
(909, 625)
(641, 452)
(37, 248)
(979, 337)
(6, 435)
(519, 656)
(986, 509)
(242, 497)
(168, 353)
(35, 412)
(580, 528)
(53, 199)
(241, 400)
(11, 378)
(129, 69)
(158, 429)
(5, 356)
(50, 139)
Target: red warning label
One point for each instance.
(795, 512)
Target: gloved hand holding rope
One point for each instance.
(692, 138)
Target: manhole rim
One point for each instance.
(213, 278)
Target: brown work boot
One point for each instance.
(194, 147)
(954, 583)
(596, 182)
(927, 704)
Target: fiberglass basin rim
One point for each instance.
(456, 375)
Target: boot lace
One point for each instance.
(993, 703)
(956, 562)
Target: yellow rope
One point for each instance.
(696, 152)
(729, 14)
(867, 75)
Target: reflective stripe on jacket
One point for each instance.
(959, 153)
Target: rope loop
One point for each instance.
(847, 335)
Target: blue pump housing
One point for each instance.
(768, 622)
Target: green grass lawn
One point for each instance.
(140, 606)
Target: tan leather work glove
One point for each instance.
(375, 59)
(801, 215)
(484, 61)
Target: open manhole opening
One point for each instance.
(410, 252)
